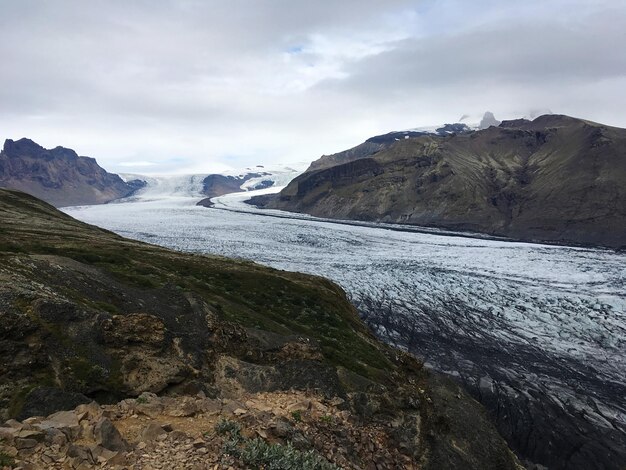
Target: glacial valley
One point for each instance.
(537, 333)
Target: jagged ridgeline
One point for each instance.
(86, 314)
(59, 176)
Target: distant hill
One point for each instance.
(555, 179)
(59, 176)
(218, 185)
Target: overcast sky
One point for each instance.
(162, 86)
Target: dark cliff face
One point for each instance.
(98, 316)
(218, 185)
(555, 179)
(59, 176)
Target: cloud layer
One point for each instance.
(207, 83)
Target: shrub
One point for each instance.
(328, 419)
(231, 447)
(225, 426)
(259, 454)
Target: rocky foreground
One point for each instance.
(152, 432)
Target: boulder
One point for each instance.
(152, 432)
(25, 443)
(91, 411)
(282, 429)
(209, 406)
(107, 436)
(181, 408)
(79, 457)
(65, 421)
(55, 437)
(7, 434)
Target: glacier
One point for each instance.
(535, 332)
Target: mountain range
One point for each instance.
(62, 178)
(553, 179)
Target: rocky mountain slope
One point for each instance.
(87, 315)
(382, 142)
(218, 185)
(59, 176)
(555, 179)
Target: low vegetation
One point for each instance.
(258, 454)
(6, 460)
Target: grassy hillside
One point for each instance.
(251, 295)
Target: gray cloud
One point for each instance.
(524, 54)
(243, 82)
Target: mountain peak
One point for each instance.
(58, 176)
(488, 120)
(23, 145)
(552, 119)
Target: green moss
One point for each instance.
(22, 305)
(107, 307)
(86, 372)
(115, 378)
(277, 303)
(55, 329)
(6, 460)
(127, 274)
(42, 378)
(9, 247)
(326, 419)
